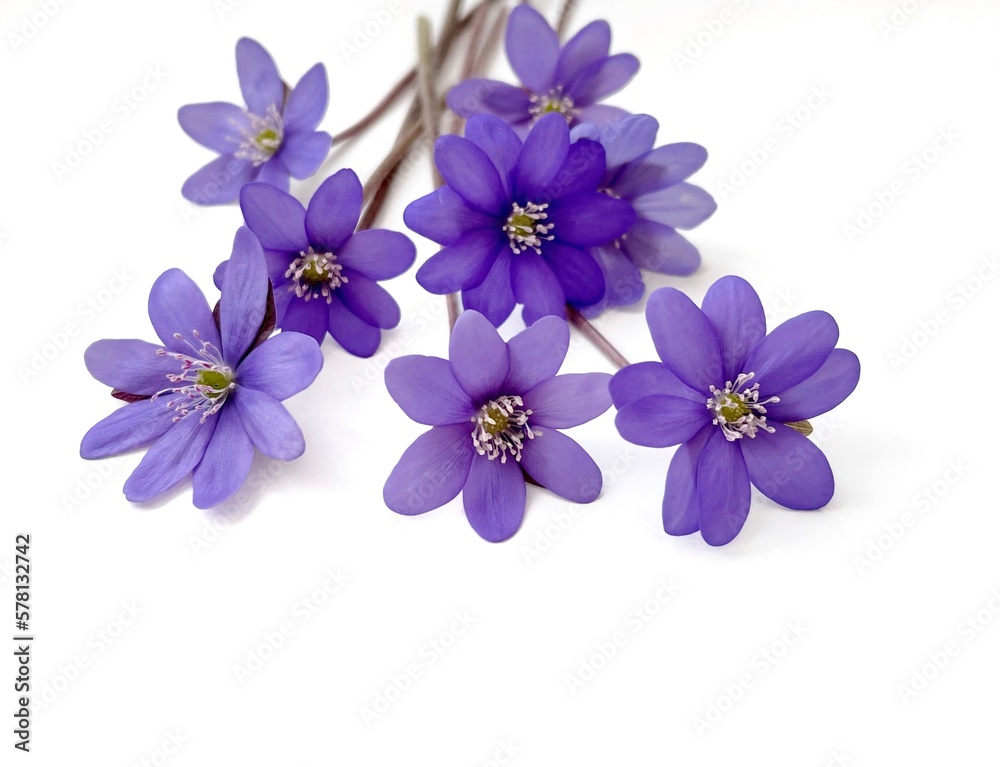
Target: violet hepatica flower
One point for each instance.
(568, 80)
(516, 220)
(325, 274)
(212, 391)
(726, 393)
(274, 137)
(494, 409)
(654, 182)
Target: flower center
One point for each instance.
(263, 138)
(524, 229)
(204, 382)
(553, 101)
(738, 410)
(501, 428)
(315, 274)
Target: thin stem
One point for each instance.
(378, 111)
(381, 179)
(425, 88)
(593, 335)
(493, 40)
(562, 20)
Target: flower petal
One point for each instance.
(578, 273)
(789, 469)
(536, 286)
(259, 79)
(542, 158)
(723, 490)
(820, 392)
(275, 217)
(627, 139)
(308, 101)
(601, 78)
(369, 300)
(226, 463)
(244, 296)
(623, 283)
(659, 248)
(644, 379)
(426, 390)
(589, 219)
(499, 143)
(601, 115)
(170, 459)
(379, 254)
(275, 173)
(282, 366)
(354, 334)
(445, 217)
(462, 265)
(568, 400)
(494, 498)
(129, 427)
(216, 125)
(130, 365)
(681, 206)
(177, 305)
(536, 353)
(469, 172)
(662, 167)
(431, 472)
(560, 465)
(311, 318)
(680, 496)
(219, 181)
(478, 357)
(661, 420)
(478, 96)
(737, 315)
(304, 153)
(334, 210)
(494, 296)
(793, 351)
(532, 48)
(590, 44)
(271, 428)
(685, 339)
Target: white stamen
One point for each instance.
(523, 229)
(196, 394)
(315, 274)
(263, 137)
(739, 411)
(553, 101)
(501, 428)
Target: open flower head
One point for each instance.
(726, 393)
(210, 392)
(516, 219)
(567, 80)
(272, 138)
(495, 409)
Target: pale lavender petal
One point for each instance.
(426, 390)
(334, 210)
(170, 459)
(304, 153)
(259, 79)
(216, 125)
(494, 296)
(662, 167)
(469, 172)
(494, 498)
(445, 217)
(476, 96)
(659, 248)
(537, 353)
(462, 265)
(308, 101)
(661, 420)
(601, 78)
(244, 296)
(478, 357)
(601, 114)
(536, 286)
(681, 206)
(820, 392)
(379, 254)
(282, 366)
(685, 339)
(431, 472)
(623, 283)
(588, 219)
(226, 463)
(130, 365)
(579, 275)
(737, 315)
(368, 300)
(560, 465)
(723, 490)
(542, 158)
(532, 48)
(644, 379)
(219, 181)
(568, 400)
(271, 428)
(177, 305)
(680, 496)
(354, 334)
(275, 217)
(590, 44)
(626, 139)
(789, 469)
(129, 427)
(275, 173)
(793, 351)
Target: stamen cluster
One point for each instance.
(739, 411)
(501, 428)
(206, 380)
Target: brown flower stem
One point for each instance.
(562, 20)
(425, 89)
(594, 336)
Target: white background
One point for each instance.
(210, 589)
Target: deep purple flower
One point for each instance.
(568, 81)
(516, 220)
(654, 182)
(494, 409)
(726, 392)
(211, 393)
(325, 275)
(274, 137)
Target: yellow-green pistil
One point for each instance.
(738, 409)
(501, 427)
(217, 381)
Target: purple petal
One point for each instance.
(820, 392)
(274, 173)
(723, 490)
(494, 296)
(177, 305)
(661, 420)
(379, 254)
(662, 167)
(369, 300)
(680, 495)
(478, 357)
(259, 79)
(627, 139)
(469, 172)
(542, 158)
(311, 318)
(445, 217)
(271, 428)
(685, 339)
(560, 465)
(601, 114)
(536, 353)
(215, 125)
(583, 170)
(275, 217)
(737, 315)
(793, 351)
(532, 48)
(589, 219)
(427, 391)
(579, 275)
(282, 366)
(244, 296)
(568, 400)
(659, 248)
(788, 469)
(226, 463)
(129, 427)
(219, 181)
(681, 206)
(432, 471)
(129, 365)
(355, 335)
(644, 379)
(623, 283)
(601, 78)
(170, 459)
(308, 101)
(494, 497)
(536, 286)
(476, 96)
(462, 265)
(499, 143)
(303, 153)
(334, 210)
(590, 44)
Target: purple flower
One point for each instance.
(211, 393)
(653, 181)
(325, 275)
(274, 137)
(568, 81)
(494, 409)
(726, 392)
(516, 220)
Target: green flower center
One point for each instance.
(501, 428)
(495, 421)
(217, 381)
(732, 408)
